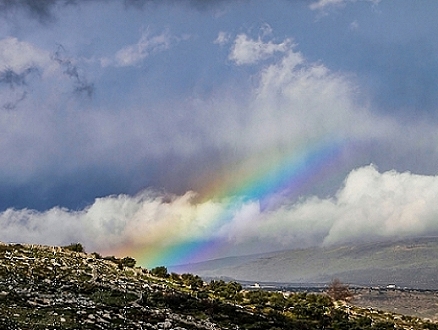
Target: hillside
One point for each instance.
(63, 288)
(407, 263)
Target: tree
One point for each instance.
(128, 262)
(160, 271)
(257, 297)
(238, 297)
(232, 289)
(277, 300)
(193, 281)
(175, 277)
(217, 286)
(75, 247)
(338, 291)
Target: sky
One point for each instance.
(180, 131)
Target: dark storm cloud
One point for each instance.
(44, 10)
(17, 82)
(74, 191)
(12, 79)
(39, 9)
(71, 70)
(201, 4)
(86, 88)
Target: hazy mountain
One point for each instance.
(409, 262)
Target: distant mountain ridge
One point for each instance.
(409, 263)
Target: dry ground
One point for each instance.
(422, 304)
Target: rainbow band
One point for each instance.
(282, 178)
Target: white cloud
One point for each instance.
(295, 102)
(222, 38)
(266, 30)
(19, 55)
(147, 219)
(292, 102)
(384, 205)
(354, 25)
(323, 4)
(134, 54)
(249, 51)
(370, 206)
(55, 226)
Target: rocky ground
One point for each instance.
(51, 288)
(45, 287)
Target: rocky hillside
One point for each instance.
(56, 288)
(64, 288)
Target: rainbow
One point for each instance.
(276, 178)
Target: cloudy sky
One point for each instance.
(227, 127)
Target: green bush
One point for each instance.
(128, 262)
(75, 247)
(160, 271)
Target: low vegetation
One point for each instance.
(65, 288)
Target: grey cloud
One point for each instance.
(71, 70)
(324, 4)
(369, 206)
(12, 105)
(44, 10)
(17, 83)
(200, 4)
(12, 79)
(41, 9)
(84, 87)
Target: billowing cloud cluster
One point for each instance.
(178, 109)
(124, 132)
(369, 206)
(45, 10)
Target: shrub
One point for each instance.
(128, 262)
(96, 255)
(159, 271)
(338, 291)
(75, 247)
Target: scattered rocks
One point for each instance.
(53, 286)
